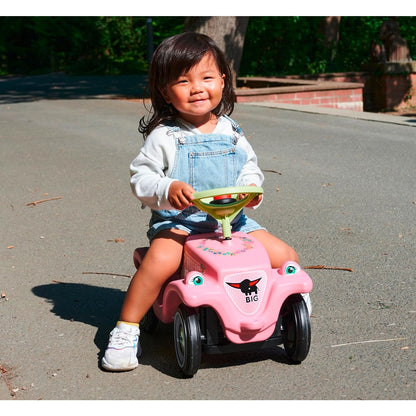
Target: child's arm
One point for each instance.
(251, 174)
(149, 171)
(180, 195)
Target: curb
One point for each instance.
(359, 115)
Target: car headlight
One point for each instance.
(195, 279)
(289, 268)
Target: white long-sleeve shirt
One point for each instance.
(151, 170)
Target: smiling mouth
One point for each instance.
(198, 100)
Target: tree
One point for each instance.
(330, 29)
(227, 31)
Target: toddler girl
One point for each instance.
(190, 145)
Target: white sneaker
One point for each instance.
(123, 348)
(307, 299)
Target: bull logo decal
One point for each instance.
(248, 287)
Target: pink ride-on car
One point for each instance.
(226, 297)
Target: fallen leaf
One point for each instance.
(117, 240)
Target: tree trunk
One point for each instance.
(330, 29)
(227, 31)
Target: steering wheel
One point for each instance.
(223, 203)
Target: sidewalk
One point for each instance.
(407, 120)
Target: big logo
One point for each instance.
(248, 287)
(246, 290)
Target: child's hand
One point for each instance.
(255, 201)
(180, 195)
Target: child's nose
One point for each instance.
(196, 87)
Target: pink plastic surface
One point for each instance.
(235, 278)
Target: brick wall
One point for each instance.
(346, 99)
(380, 87)
(399, 90)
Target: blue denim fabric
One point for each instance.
(205, 161)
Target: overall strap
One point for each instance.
(236, 129)
(176, 131)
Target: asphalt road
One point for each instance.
(339, 188)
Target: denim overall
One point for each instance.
(205, 161)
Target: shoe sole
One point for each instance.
(109, 367)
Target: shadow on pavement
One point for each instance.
(100, 307)
(93, 305)
(60, 86)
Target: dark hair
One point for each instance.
(174, 57)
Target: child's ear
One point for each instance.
(223, 81)
(165, 95)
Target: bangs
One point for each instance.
(180, 64)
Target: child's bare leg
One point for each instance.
(278, 251)
(160, 262)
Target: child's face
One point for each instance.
(197, 92)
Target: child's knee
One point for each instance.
(167, 248)
(291, 254)
(163, 257)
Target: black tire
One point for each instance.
(296, 328)
(187, 340)
(149, 322)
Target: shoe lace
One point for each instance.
(121, 338)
